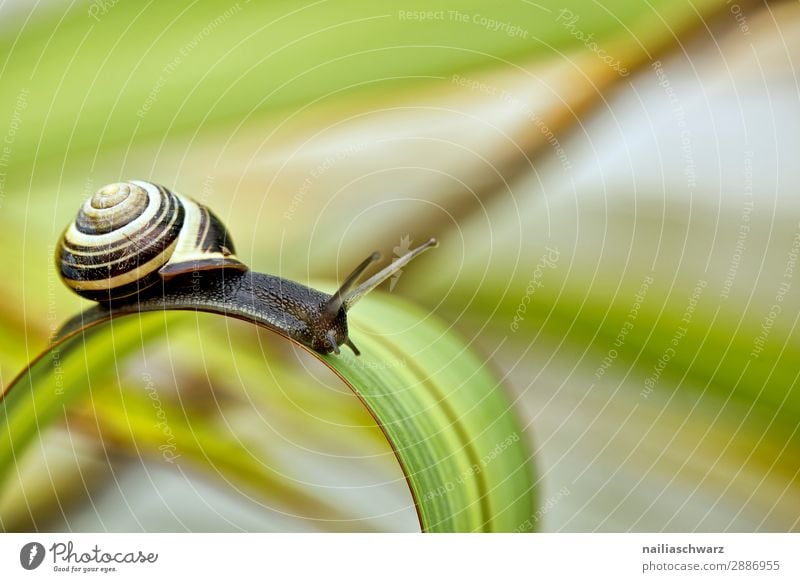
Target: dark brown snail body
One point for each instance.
(136, 246)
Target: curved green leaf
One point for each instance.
(443, 411)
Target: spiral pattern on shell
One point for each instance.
(130, 236)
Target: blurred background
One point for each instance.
(614, 185)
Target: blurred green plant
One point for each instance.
(104, 82)
(210, 91)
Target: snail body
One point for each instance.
(137, 246)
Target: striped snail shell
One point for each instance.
(129, 237)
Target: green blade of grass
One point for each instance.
(443, 411)
(485, 470)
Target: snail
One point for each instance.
(137, 246)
